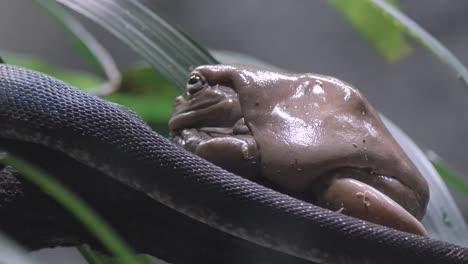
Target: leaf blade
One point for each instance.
(378, 29)
(85, 81)
(74, 205)
(405, 24)
(449, 176)
(95, 257)
(164, 47)
(86, 43)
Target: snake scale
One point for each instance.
(112, 139)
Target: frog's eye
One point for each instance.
(195, 83)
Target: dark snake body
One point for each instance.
(112, 139)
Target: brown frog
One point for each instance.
(305, 133)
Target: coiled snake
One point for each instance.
(112, 139)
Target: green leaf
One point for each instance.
(147, 93)
(85, 81)
(68, 23)
(75, 206)
(405, 24)
(95, 257)
(426, 39)
(85, 42)
(164, 47)
(378, 28)
(450, 177)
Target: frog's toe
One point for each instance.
(360, 200)
(237, 154)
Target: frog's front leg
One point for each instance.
(233, 149)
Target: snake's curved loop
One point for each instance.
(39, 109)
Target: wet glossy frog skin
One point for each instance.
(306, 133)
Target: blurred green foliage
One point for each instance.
(451, 178)
(376, 27)
(83, 80)
(147, 93)
(95, 257)
(76, 206)
(85, 43)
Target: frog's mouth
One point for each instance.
(210, 108)
(192, 116)
(183, 105)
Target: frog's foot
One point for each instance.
(237, 153)
(355, 198)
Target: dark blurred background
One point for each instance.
(418, 93)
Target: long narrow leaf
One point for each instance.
(377, 28)
(74, 205)
(385, 32)
(443, 218)
(426, 39)
(161, 45)
(95, 257)
(450, 177)
(87, 44)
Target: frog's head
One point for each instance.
(314, 133)
(205, 104)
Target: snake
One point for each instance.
(112, 139)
